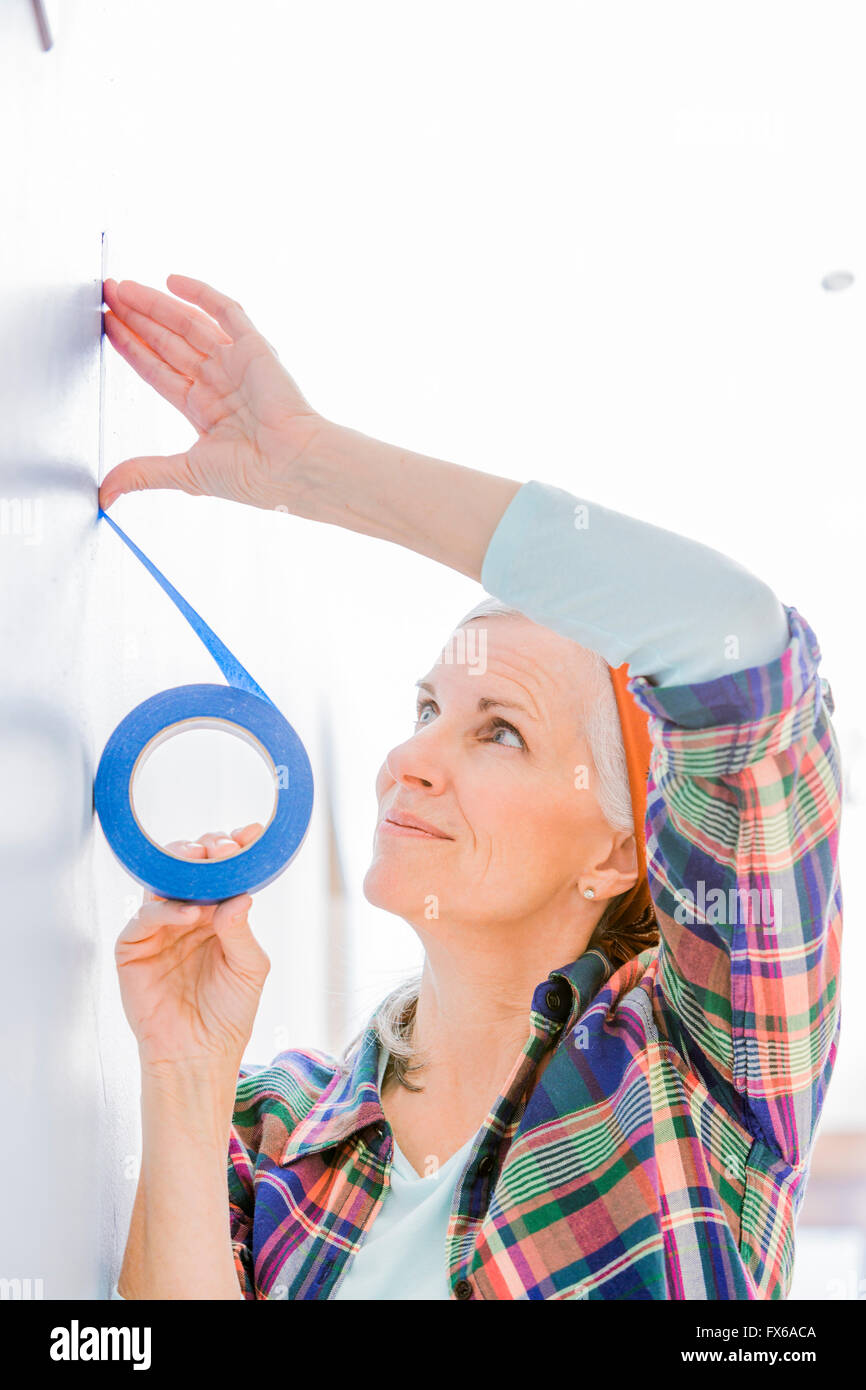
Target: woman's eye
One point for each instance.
(499, 726)
(503, 728)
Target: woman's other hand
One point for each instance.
(204, 356)
(191, 975)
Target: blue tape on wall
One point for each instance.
(241, 707)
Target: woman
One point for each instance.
(608, 1080)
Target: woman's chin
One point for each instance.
(383, 888)
(380, 889)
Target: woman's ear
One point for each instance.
(617, 873)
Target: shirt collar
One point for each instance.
(578, 982)
(352, 1102)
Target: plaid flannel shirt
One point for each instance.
(664, 1151)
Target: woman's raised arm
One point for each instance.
(261, 442)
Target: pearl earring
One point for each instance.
(589, 893)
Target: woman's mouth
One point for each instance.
(400, 823)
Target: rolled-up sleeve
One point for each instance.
(742, 828)
(675, 609)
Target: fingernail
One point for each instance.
(189, 909)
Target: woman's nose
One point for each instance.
(413, 763)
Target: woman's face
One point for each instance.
(494, 767)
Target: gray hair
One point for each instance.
(394, 1018)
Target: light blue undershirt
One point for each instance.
(677, 611)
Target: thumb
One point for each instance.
(135, 475)
(240, 948)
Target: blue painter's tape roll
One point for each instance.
(201, 706)
(241, 708)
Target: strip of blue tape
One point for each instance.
(234, 672)
(241, 703)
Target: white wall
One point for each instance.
(52, 1035)
(574, 242)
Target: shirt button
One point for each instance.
(463, 1289)
(553, 1000)
(485, 1164)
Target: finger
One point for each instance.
(174, 944)
(171, 347)
(185, 849)
(219, 845)
(227, 312)
(247, 833)
(170, 384)
(240, 947)
(190, 323)
(151, 919)
(149, 471)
